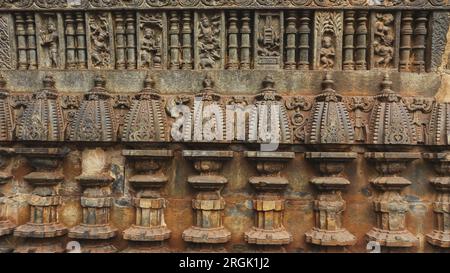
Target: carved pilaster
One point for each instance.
(80, 33)
(7, 42)
(348, 48)
(186, 34)
(30, 32)
(147, 179)
(174, 41)
(208, 204)
(405, 40)
(71, 41)
(420, 34)
(361, 41)
(96, 203)
(329, 205)
(304, 37)
(21, 41)
(245, 40)
(269, 203)
(130, 32)
(291, 48)
(120, 41)
(43, 201)
(389, 205)
(440, 236)
(233, 31)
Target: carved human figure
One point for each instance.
(49, 40)
(384, 40)
(100, 41)
(209, 41)
(150, 48)
(327, 53)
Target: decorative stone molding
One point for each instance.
(96, 203)
(269, 202)
(208, 204)
(440, 236)
(389, 206)
(44, 200)
(329, 205)
(147, 180)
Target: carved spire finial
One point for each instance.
(328, 91)
(386, 84)
(268, 91)
(48, 81)
(2, 82)
(99, 81)
(149, 82)
(208, 82)
(328, 83)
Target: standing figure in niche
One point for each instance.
(49, 40)
(150, 48)
(209, 42)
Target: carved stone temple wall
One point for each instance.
(224, 125)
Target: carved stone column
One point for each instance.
(208, 205)
(6, 226)
(96, 202)
(389, 206)
(150, 228)
(440, 236)
(269, 202)
(329, 205)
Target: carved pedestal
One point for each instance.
(150, 227)
(269, 202)
(43, 201)
(390, 207)
(329, 205)
(440, 236)
(96, 203)
(208, 205)
(6, 226)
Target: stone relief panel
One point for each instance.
(328, 40)
(268, 38)
(6, 42)
(152, 37)
(210, 40)
(100, 42)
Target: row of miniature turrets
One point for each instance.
(94, 120)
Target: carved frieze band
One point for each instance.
(207, 116)
(93, 4)
(405, 40)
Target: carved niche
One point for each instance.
(210, 35)
(152, 34)
(145, 121)
(43, 119)
(100, 42)
(328, 27)
(384, 40)
(95, 121)
(50, 41)
(268, 36)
